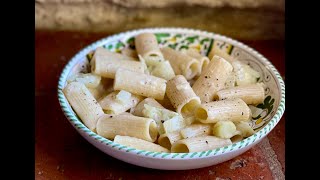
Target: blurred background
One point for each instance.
(240, 19)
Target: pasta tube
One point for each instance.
(167, 139)
(109, 126)
(105, 63)
(212, 79)
(165, 102)
(147, 46)
(88, 79)
(234, 110)
(163, 70)
(236, 138)
(197, 144)
(127, 51)
(181, 63)
(139, 144)
(119, 101)
(195, 130)
(217, 51)
(244, 128)
(181, 95)
(203, 60)
(224, 129)
(140, 84)
(250, 94)
(104, 88)
(137, 111)
(83, 103)
(143, 62)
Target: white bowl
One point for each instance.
(270, 111)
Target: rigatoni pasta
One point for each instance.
(163, 70)
(147, 46)
(149, 52)
(195, 130)
(181, 95)
(140, 84)
(127, 51)
(203, 60)
(250, 94)
(105, 63)
(217, 51)
(109, 126)
(139, 144)
(233, 110)
(197, 144)
(89, 80)
(212, 79)
(167, 139)
(104, 88)
(181, 63)
(83, 103)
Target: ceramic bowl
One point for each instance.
(266, 117)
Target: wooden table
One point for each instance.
(61, 153)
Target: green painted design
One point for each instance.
(173, 46)
(175, 155)
(178, 36)
(193, 154)
(87, 131)
(183, 47)
(204, 40)
(159, 36)
(131, 43)
(210, 47)
(97, 138)
(89, 56)
(131, 149)
(184, 155)
(202, 153)
(119, 45)
(156, 154)
(208, 152)
(116, 145)
(247, 144)
(141, 152)
(148, 153)
(110, 46)
(267, 104)
(92, 135)
(191, 39)
(231, 49)
(108, 143)
(122, 147)
(164, 155)
(131, 40)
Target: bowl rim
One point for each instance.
(80, 127)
